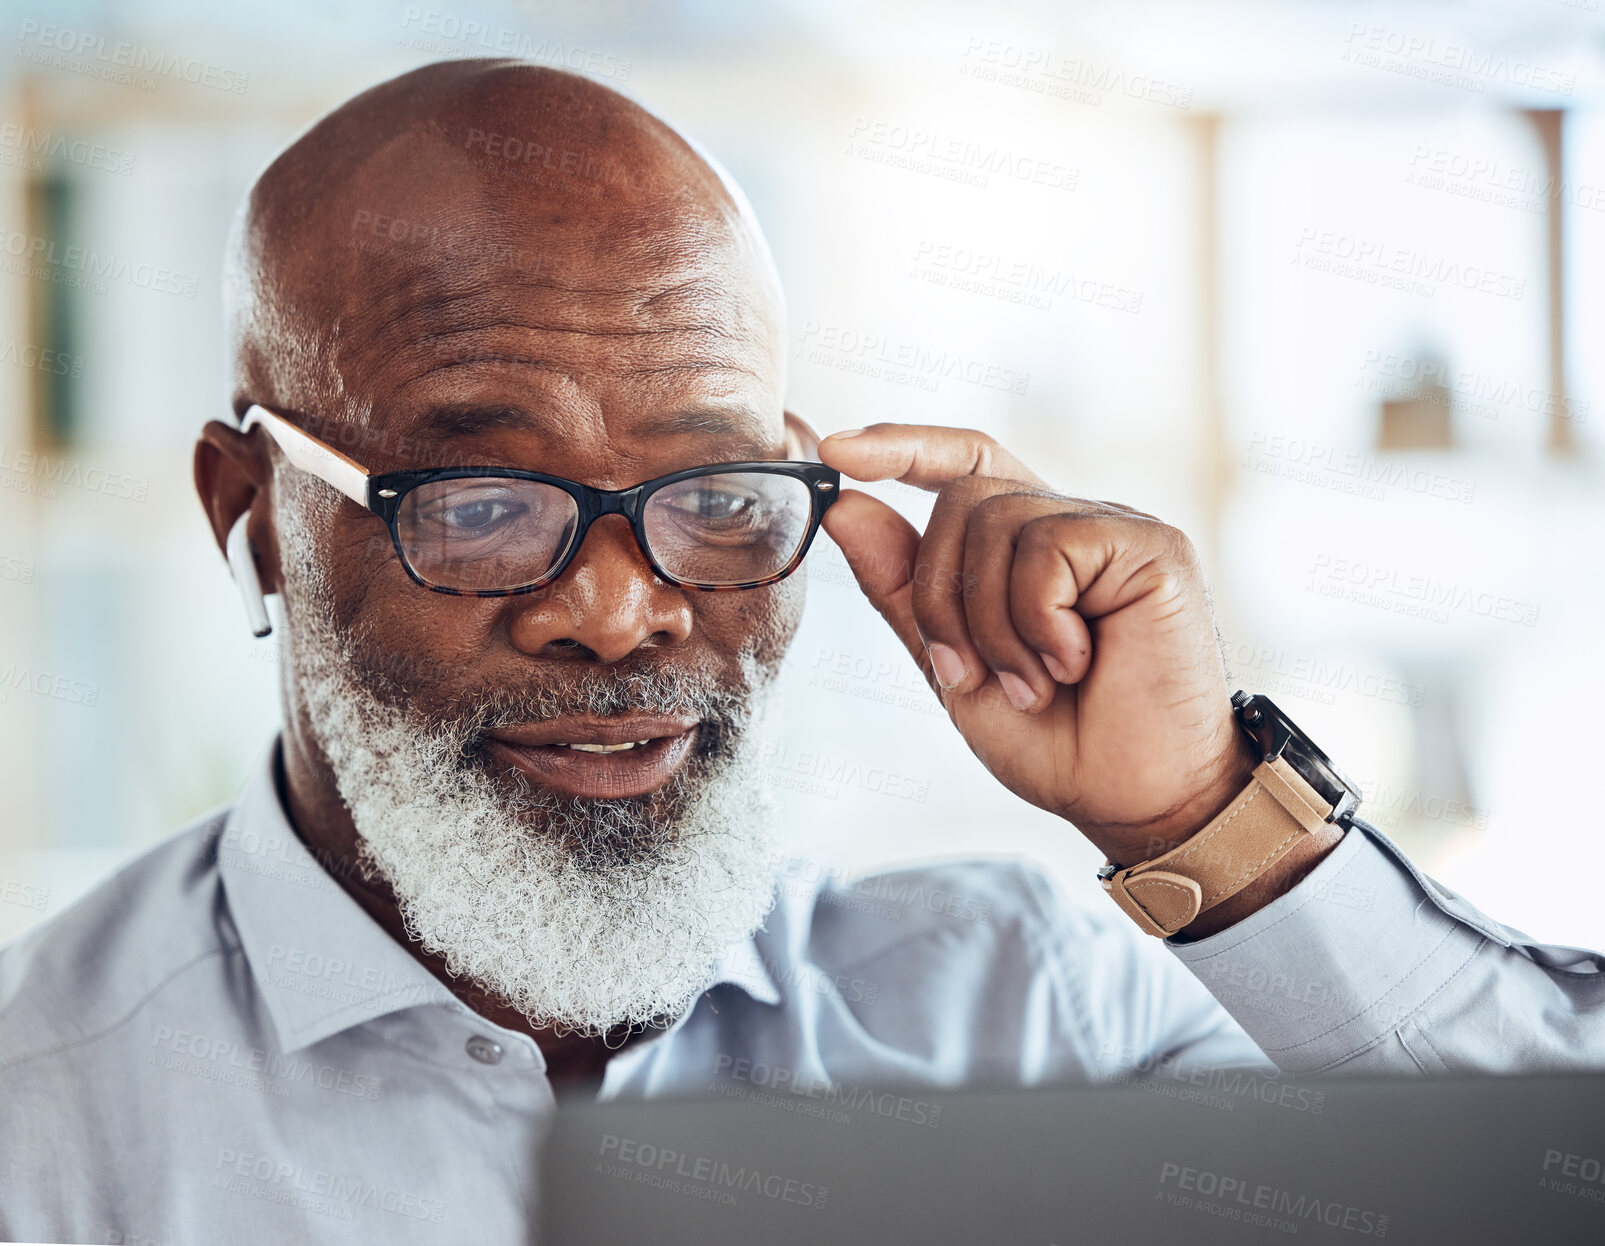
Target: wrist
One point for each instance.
(1274, 883)
(1218, 786)
(1270, 810)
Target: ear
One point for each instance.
(802, 442)
(232, 476)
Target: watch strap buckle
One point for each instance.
(1259, 827)
(1159, 901)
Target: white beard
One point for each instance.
(583, 914)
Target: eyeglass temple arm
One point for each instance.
(311, 455)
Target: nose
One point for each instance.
(607, 603)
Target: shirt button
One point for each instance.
(485, 1050)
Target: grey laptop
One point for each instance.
(1223, 1158)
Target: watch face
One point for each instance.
(1279, 736)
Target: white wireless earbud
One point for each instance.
(243, 565)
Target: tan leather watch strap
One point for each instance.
(1251, 834)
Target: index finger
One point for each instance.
(923, 455)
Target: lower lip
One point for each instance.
(606, 776)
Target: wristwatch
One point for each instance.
(1295, 791)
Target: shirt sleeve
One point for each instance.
(1369, 966)
(1131, 1013)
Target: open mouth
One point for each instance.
(605, 758)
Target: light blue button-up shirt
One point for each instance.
(219, 1045)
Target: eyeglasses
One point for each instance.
(497, 531)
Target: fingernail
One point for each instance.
(1055, 667)
(846, 432)
(1017, 690)
(949, 667)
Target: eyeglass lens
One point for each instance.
(488, 533)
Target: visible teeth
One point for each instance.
(603, 748)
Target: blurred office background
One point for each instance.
(1321, 283)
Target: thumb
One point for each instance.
(880, 546)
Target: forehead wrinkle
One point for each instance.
(684, 295)
(721, 311)
(568, 374)
(696, 297)
(403, 344)
(697, 366)
(536, 365)
(685, 348)
(656, 249)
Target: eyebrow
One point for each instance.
(465, 421)
(469, 420)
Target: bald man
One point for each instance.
(510, 448)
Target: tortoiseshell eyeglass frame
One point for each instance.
(383, 494)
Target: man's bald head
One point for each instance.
(470, 174)
(493, 265)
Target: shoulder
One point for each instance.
(1007, 906)
(990, 948)
(962, 971)
(85, 970)
(977, 926)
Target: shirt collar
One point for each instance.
(321, 964)
(743, 967)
